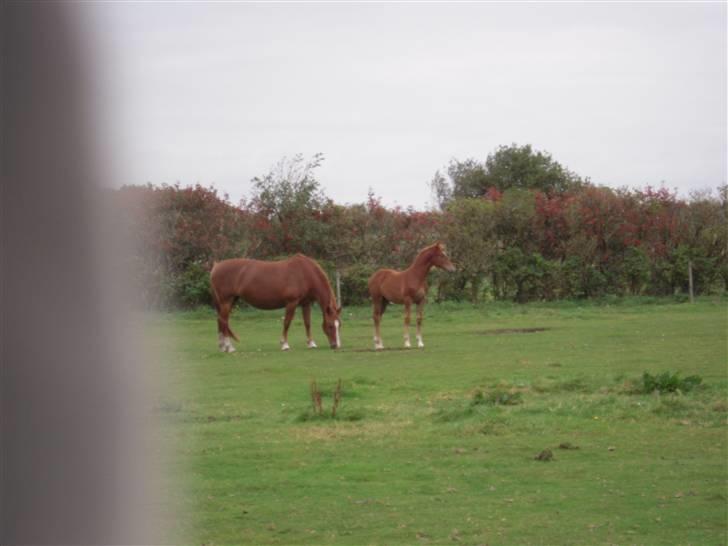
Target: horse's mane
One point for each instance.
(427, 250)
(323, 276)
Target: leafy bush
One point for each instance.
(635, 270)
(354, 290)
(668, 382)
(527, 277)
(191, 288)
(521, 239)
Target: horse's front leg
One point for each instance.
(307, 323)
(290, 311)
(407, 307)
(420, 316)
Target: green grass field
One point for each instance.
(438, 446)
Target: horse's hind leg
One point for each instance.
(420, 316)
(223, 330)
(378, 310)
(220, 334)
(407, 315)
(290, 311)
(307, 323)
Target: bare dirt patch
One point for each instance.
(385, 350)
(499, 331)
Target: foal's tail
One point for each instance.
(222, 321)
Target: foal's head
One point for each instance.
(440, 259)
(332, 325)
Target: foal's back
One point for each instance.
(388, 284)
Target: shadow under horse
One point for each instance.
(298, 280)
(406, 287)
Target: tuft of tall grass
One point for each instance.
(668, 382)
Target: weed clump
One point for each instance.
(545, 456)
(317, 410)
(496, 397)
(667, 382)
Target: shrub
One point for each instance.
(526, 277)
(635, 270)
(668, 382)
(191, 288)
(354, 290)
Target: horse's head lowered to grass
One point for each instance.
(332, 324)
(290, 283)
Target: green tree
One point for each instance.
(469, 233)
(525, 168)
(508, 167)
(290, 201)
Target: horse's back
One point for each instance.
(263, 284)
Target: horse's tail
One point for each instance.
(222, 323)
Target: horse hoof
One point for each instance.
(312, 344)
(379, 347)
(420, 345)
(407, 344)
(229, 349)
(285, 347)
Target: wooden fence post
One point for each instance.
(338, 287)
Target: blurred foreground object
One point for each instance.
(75, 443)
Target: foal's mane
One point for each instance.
(427, 250)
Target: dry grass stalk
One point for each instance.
(316, 398)
(337, 398)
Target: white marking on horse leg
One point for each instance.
(420, 343)
(338, 339)
(221, 342)
(285, 346)
(229, 346)
(312, 344)
(407, 343)
(378, 345)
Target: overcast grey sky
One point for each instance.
(624, 93)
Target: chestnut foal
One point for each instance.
(407, 287)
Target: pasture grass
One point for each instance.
(439, 445)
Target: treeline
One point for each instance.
(519, 226)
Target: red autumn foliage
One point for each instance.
(615, 238)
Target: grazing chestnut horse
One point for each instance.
(407, 287)
(273, 285)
